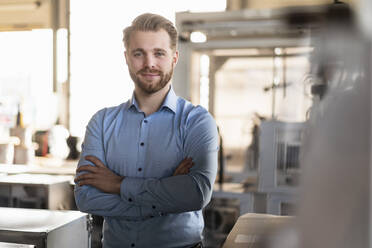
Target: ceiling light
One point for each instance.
(198, 37)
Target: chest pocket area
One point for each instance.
(165, 160)
(118, 164)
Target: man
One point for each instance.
(148, 165)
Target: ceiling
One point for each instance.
(18, 15)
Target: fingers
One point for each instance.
(184, 167)
(185, 162)
(95, 161)
(88, 168)
(91, 168)
(84, 177)
(181, 167)
(85, 182)
(184, 170)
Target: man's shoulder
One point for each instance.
(110, 112)
(186, 107)
(193, 114)
(117, 108)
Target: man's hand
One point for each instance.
(184, 167)
(99, 176)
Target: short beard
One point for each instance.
(152, 88)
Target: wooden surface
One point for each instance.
(253, 230)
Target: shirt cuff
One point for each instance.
(130, 188)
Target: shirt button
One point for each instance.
(130, 199)
(142, 144)
(132, 245)
(153, 207)
(139, 169)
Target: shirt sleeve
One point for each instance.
(89, 199)
(181, 193)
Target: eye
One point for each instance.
(159, 54)
(137, 54)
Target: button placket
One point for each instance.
(142, 145)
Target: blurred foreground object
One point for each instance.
(257, 230)
(334, 206)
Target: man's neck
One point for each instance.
(150, 103)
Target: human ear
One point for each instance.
(126, 58)
(175, 57)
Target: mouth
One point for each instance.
(149, 74)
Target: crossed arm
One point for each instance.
(100, 191)
(102, 178)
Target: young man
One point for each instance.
(148, 165)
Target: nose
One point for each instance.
(149, 61)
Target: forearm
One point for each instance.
(174, 194)
(91, 200)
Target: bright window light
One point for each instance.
(198, 37)
(278, 51)
(62, 55)
(26, 78)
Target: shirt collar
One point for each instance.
(133, 103)
(169, 102)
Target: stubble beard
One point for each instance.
(151, 88)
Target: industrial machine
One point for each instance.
(45, 228)
(36, 191)
(279, 156)
(279, 164)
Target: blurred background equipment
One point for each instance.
(24, 151)
(36, 191)
(220, 216)
(279, 164)
(44, 229)
(279, 157)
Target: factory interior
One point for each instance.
(288, 83)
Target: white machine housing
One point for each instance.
(279, 152)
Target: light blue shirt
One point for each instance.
(154, 208)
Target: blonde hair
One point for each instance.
(151, 22)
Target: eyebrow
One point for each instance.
(137, 50)
(160, 50)
(143, 51)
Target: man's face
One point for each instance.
(150, 60)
